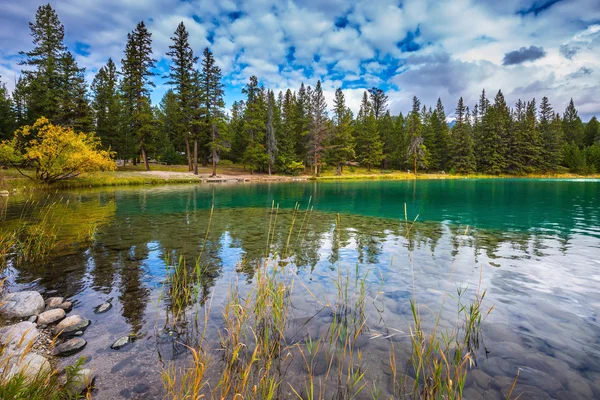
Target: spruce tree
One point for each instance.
(372, 147)
(550, 133)
(137, 73)
(212, 88)
(302, 122)
(106, 105)
(592, 132)
(463, 157)
(42, 78)
(493, 138)
(271, 144)
(74, 110)
(378, 100)
(318, 127)
(181, 77)
(239, 140)
(8, 122)
(573, 129)
(441, 137)
(429, 137)
(286, 135)
(389, 137)
(341, 148)
(169, 138)
(414, 132)
(255, 155)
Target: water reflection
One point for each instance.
(537, 245)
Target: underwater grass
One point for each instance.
(256, 348)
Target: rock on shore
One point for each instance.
(22, 304)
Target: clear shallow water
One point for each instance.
(536, 242)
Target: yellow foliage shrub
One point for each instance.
(54, 152)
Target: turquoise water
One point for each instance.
(535, 244)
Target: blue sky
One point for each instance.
(431, 49)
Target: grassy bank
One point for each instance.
(11, 179)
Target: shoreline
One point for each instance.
(17, 184)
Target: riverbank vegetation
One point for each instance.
(289, 132)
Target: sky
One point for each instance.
(427, 48)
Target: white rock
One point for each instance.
(51, 316)
(30, 365)
(18, 337)
(71, 324)
(81, 381)
(54, 302)
(22, 304)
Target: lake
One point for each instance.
(533, 245)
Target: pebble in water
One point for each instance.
(54, 302)
(71, 324)
(102, 308)
(121, 342)
(51, 316)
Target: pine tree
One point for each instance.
(169, 136)
(389, 137)
(429, 138)
(573, 129)
(550, 132)
(137, 73)
(286, 135)
(302, 121)
(181, 77)
(74, 110)
(531, 149)
(318, 126)
(463, 158)
(441, 157)
(19, 97)
(493, 137)
(106, 105)
(592, 132)
(342, 143)
(414, 132)
(42, 78)
(239, 141)
(271, 144)
(8, 122)
(378, 100)
(212, 88)
(255, 154)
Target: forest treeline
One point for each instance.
(284, 132)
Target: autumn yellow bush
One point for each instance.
(49, 153)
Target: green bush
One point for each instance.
(225, 162)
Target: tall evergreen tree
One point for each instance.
(441, 157)
(74, 108)
(573, 129)
(181, 77)
(43, 75)
(550, 132)
(271, 144)
(414, 132)
(286, 135)
(463, 157)
(255, 154)
(137, 73)
(318, 127)
(342, 143)
(106, 105)
(379, 101)
(8, 122)
(212, 87)
(493, 139)
(592, 132)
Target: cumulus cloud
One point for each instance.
(428, 48)
(522, 55)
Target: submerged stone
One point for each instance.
(121, 342)
(81, 381)
(102, 308)
(67, 305)
(69, 347)
(22, 304)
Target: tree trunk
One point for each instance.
(338, 171)
(145, 158)
(269, 168)
(188, 153)
(196, 156)
(415, 164)
(214, 152)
